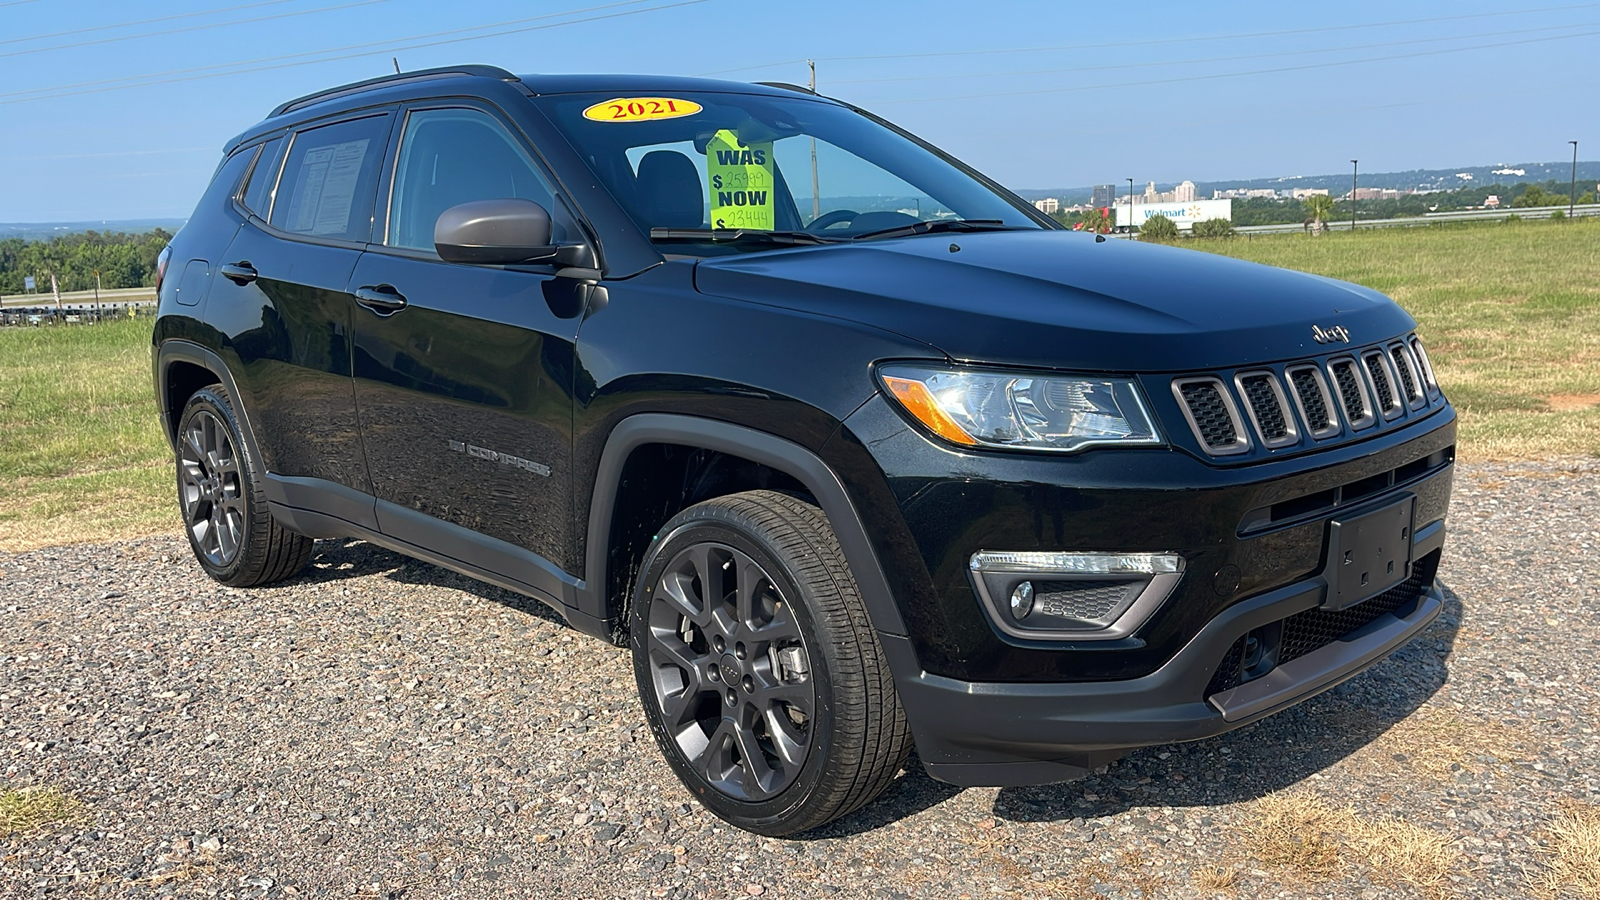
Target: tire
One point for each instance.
(814, 729)
(220, 495)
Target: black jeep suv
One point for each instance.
(852, 447)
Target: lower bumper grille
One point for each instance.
(1257, 653)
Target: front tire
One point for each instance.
(761, 676)
(220, 494)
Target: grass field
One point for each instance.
(81, 455)
(1510, 314)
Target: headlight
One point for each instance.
(1019, 410)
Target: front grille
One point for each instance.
(1311, 393)
(1266, 409)
(1306, 632)
(1380, 382)
(1210, 412)
(1090, 601)
(1351, 394)
(1256, 411)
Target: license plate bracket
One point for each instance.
(1369, 553)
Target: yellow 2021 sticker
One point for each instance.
(741, 182)
(641, 109)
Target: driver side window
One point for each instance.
(454, 156)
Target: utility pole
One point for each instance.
(1354, 168)
(97, 295)
(816, 195)
(1130, 203)
(1572, 193)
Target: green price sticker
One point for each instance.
(741, 182)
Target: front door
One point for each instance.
(463, 373)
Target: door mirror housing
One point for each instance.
(495, 232)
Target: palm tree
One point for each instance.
(1318, 208)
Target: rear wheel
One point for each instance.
(220, 494)
(760, 674)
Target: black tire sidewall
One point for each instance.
(764, 815)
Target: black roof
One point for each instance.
(361, 93)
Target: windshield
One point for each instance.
(691, 162)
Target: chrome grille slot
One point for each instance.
(1405, 367)
(1212, 415)
(1389, 402)
(1421, 355)
(1311, 396)
(1268, 408)
(1352, 393)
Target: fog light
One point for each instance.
(1022, 599)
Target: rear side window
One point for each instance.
(329, 179)
(263, 178)
(453, 156)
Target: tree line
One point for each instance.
(123, 260)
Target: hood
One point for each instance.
(1062, 300)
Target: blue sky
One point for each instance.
(1036, 94)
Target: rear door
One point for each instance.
(464, 379)
(280, 297)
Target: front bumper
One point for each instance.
(1007, 733)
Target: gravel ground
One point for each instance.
(380, 727)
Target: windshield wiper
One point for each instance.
(738, 236)
(936, 225)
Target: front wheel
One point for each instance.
(224, 507)
(760, 674)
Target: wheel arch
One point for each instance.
(789, 467)
(183, 367)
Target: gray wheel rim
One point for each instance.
(209, 488)
(730, 671)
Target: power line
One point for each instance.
(387, 47)
(188, 15)
(139, 80)
(1214, 59)
(208, 25)
(1214, 76)
(1160, 41)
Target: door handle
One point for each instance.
(382, 299)
(240, 273)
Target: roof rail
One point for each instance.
(386, 80)
(787, 86)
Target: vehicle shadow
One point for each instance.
(1266, 756)
(1242, 765)
(340, 558)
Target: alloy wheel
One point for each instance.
(730, 671)
(210, 489)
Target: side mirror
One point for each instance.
(495, 232)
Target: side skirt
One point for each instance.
(322, 509)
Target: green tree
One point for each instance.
(1318, 208)
(1213, 228)
(1158, 228)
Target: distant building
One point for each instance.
(1151, 195)
(1047, 206)
(1245, 194)
(1302, 193)
(1376, 194)
(1491, 202)
(1104, 195)
(1184, 192)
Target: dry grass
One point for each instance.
(1217, 879)
(1296, 831)
(1435, 740)
(1510, 314)
(32, 808)
(1316, 841)
(1571, 865)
